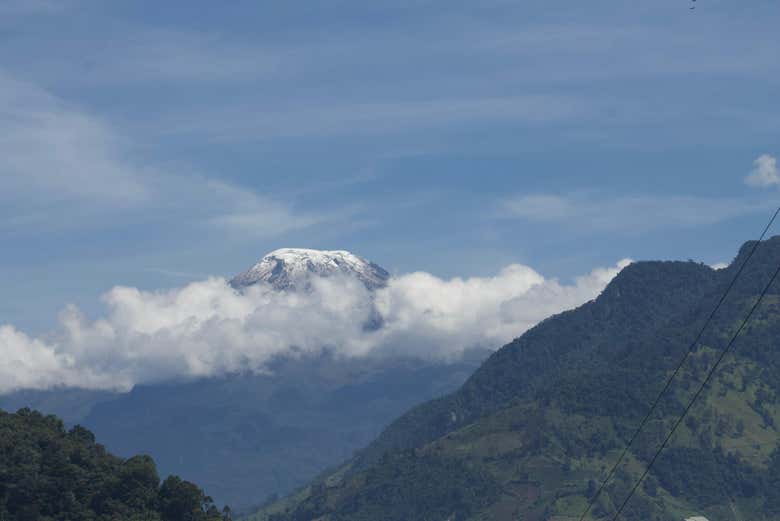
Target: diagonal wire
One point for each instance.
(677, 369)
(699, 391)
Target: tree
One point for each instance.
(49, 474)
(184, 501)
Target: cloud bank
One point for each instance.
(206, 328)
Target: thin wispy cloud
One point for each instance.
(570, 51)
(370, 118)
(156, 56)
(176, 273)
(350, 83)
(72, 169)
(605, 213)
(56, 152)
(235, 210)
(34, 7)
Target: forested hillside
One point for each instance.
(48, 474)
(534, 431)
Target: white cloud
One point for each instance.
(625, 213)
(206, 328)
(253, 122)
(30, 363)
(764, 173)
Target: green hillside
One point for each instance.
(48, 474)
(533, 432)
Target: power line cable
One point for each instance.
(699, 391)
(684, 359)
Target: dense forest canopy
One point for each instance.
(48, 473)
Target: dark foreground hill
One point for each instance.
(48, 473)
(533, 432)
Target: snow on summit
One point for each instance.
(292, 268)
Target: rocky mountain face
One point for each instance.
(289, 269)
(534, 430)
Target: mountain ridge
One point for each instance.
(505, 361)
(538, 424)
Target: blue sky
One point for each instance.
(150, 144)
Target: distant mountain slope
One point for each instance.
(71, 405)
(534, 430)
(48, 473)
(246, 436)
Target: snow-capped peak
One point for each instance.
(293, 268)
